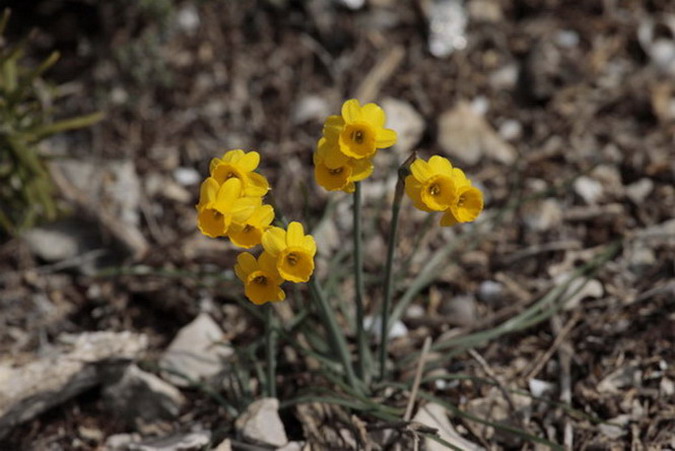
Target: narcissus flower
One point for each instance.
(437, 186)
(260, 277)
(292, 250)
(468, 201)
(220, 205)
(239, 164)
(249, 233)
(360, 129)
(342, 177)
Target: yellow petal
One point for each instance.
(246, 264)
(257, 185)
(361, 169)
(349, 188)
(242, 208)
(469, 205)
(232, 156)
(332, 127)
(374, 115)
(274, 240)
(421, 170)
(413, 189)
(249, 161)
(213, 164)
(309, 245)
(262, 216)
(227, 194)
(351, 111)
(448, 219)
(208, 192)
(440, 165)
(385, 138)
(268, 263)
(295, 234)
(329, 153)
(460, 178)
(211, 223)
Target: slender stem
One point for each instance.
(269, 352)
(389, 268)
(358, 280)
(337, 337)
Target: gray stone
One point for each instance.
(408, 123)
(78, 363)
(638, 191)
(461, 310)
(543, 215)
(466, 136)
(196, 353)
(260, 423)
(139, 395)
(490, 292)
(310, 108)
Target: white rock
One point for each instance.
(141, 395)
(177, 442)
(447, 27)
(197, 352)
(310, 107)
(461, 309)
(640, 258)
(435, 416)
(466, 136)
(544, 215)
(567, 38)
(511, 130)
(588, 189)
(78, 363)
(225, 445)
(627, 376)
(638, 191)
(188, 18)
(666, 387)
(186, 176)
(539, 388)
(54, 242)
(121, 441)
(408, 123)
(260, 423)
(617, 429)
(579, 289)
(374, 325)
(505, 77)
(490, 292)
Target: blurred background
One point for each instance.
(562, 111)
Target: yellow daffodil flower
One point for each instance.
(219, 205)
(431, 186)
(293, 251)
(363, 130)
(437, 186)
(260, 277)
(335, 178)
(468, 201)
(249, 233)
(239, 164)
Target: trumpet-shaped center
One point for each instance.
(357, 140)
(295, 264)
(226, 171)
(438, 192)
(336, 171)
(260, 280)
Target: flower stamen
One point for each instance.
(260, 280)
(292, 259)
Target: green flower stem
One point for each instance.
(389, 268)
(358, 281)
(269, 352)
(337, 337)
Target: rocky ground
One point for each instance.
(564, 113)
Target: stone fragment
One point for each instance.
(579, 289)
(626, 376)
(177, 442)
(544, 215)
(588, 189)
(638, 191)
(121, 442)
(196, 353)
(187, 176)
(467, 137)
(490, 292)
(310, 108)
(461, 310)
(616, 427)
(539, 388)
(225, 445)
(436, 416)
(78, 363)
(139, 395)
(408, 123)
(260, 423)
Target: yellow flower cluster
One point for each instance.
(230, 205)
(435, 185)
(345, 151)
